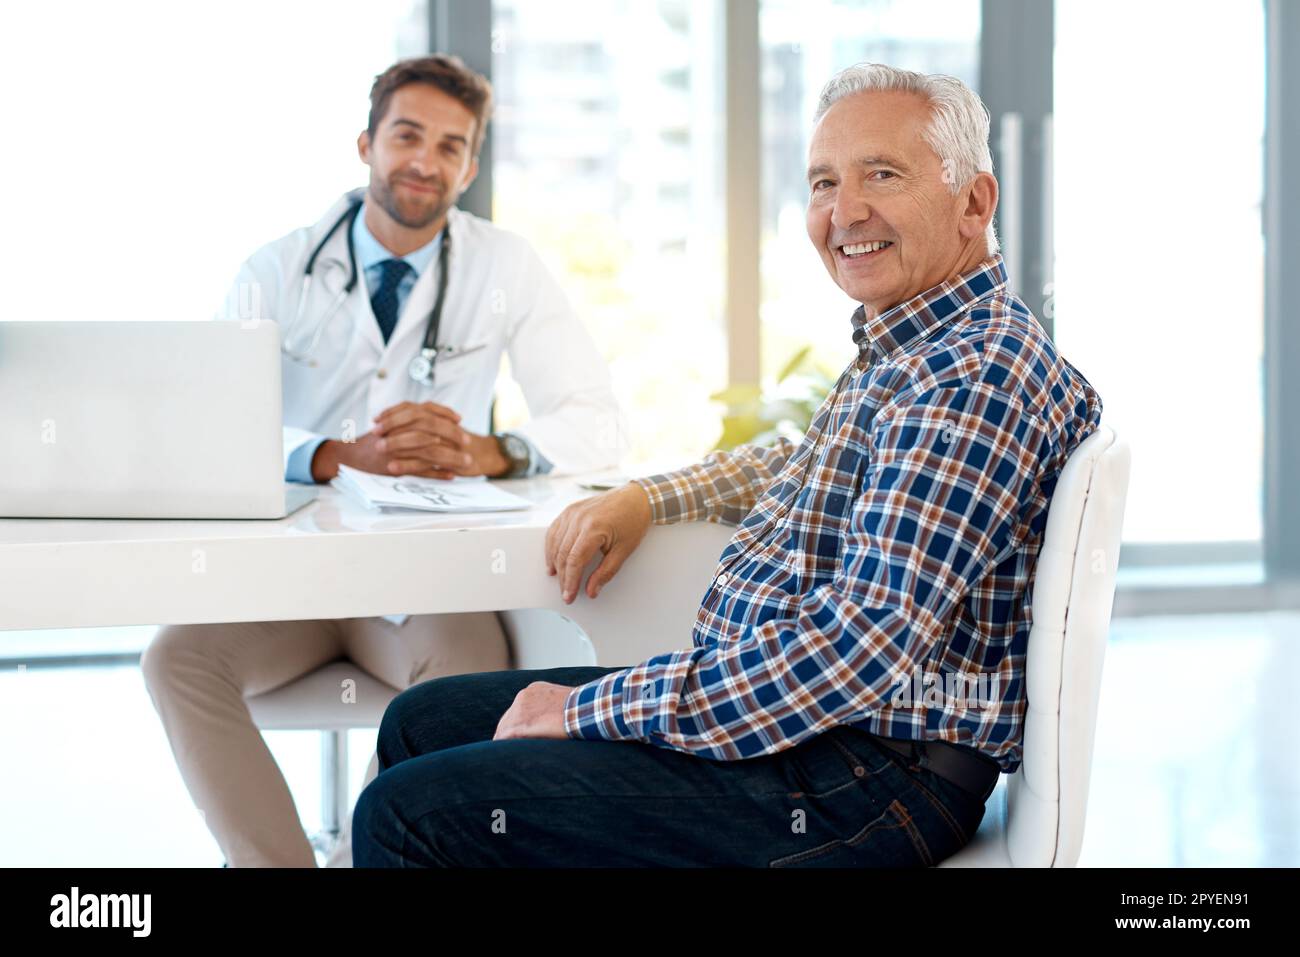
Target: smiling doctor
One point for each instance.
(394, 312)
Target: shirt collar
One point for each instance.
(371, 252)
(905, 323)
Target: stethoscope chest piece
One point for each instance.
(421, 367)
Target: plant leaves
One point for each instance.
(795, 362)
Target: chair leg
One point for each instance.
(334, 789)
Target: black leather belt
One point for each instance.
(969, 769)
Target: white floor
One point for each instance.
(1195, 763)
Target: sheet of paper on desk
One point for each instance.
(430, 495)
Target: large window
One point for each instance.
(607, 158)
(1158, 293)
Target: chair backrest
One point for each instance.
(1073, 591)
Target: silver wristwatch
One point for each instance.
(515, 450)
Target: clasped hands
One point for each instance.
(413, 438)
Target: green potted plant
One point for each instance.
(759, 416)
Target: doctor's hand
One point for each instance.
(428, 444)
(359, 454)
(537, 712)
(612, 523)
(424, 438)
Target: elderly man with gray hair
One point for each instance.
(856, 676)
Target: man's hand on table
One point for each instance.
(612, 523)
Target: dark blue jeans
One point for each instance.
(447, 795)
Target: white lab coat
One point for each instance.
(500, 298)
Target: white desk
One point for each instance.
(333, 559)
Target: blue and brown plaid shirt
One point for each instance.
(880, 574)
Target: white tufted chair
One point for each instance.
(1035, 817)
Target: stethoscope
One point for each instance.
(421, 367)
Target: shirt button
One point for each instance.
(724, 578)
(859, 771)
(381, 374)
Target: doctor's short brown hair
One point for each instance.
(443, 71)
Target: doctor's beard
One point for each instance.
(412, 214)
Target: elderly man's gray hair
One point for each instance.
(959, 125)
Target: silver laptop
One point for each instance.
(142, 420)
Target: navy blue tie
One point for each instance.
(384, 301)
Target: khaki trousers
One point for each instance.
(199, 675)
